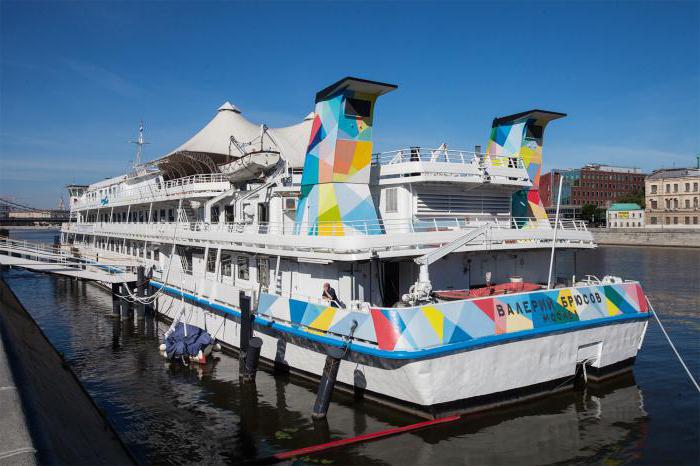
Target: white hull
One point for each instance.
(465, 375)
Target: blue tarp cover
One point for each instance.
(177, 344)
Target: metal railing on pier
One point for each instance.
(43, 257)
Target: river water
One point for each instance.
(176, 415)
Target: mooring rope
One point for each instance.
(673, 347)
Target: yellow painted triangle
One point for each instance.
(435, 318)
(566, 293)
(518, 322)
(612, 309)
(324, 319)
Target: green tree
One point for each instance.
(592, 213)
(634, 197)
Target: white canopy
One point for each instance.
(215, 137)
(214, 140)
(294, 140)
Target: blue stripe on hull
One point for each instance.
(422, 353)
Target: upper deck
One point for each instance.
(418, 164)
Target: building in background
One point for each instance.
(624, 215)
(593, 184)
(673, 197)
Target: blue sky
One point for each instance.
(76, 78)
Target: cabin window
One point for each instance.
(243, 268)
(229, 213)
(185, 254)
(156, 254)
(215, 211)
(263, 271)
(171, 216)
(211, 261)
(392, 201)
(226, 264)
(162, 215)
(357, 107)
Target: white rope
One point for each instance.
(690, 375)
(19, 451)
(151, 299)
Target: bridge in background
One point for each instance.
(14, 213)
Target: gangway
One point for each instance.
(40, 257)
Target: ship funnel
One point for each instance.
(335, 192)
(522, 135)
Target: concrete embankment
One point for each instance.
(668, 237)
(16, 446)
(52, 419)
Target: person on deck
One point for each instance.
(329, 295)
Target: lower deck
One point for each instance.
(221, 274)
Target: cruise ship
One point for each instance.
(434, 274)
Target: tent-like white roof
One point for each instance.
(215, 137)
(212, 144)
(294, 140)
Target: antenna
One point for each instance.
(139, 145)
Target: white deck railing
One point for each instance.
(355, 228)
(205, 183)
(427, 155)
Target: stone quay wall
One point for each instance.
(669, 237)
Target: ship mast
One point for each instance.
(139, 146)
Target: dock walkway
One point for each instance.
(39, 257)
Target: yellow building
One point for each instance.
(673, 198)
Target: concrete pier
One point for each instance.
(16, 445)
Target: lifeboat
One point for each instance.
(251, 166)
(489, 290)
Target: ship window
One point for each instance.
(187, 260)
(215, 214)
(392, 201)
(228, 212)
(243, 264)
(226, 264)
(162, 215)
(211, 261)
(357, 107)
(263, 271)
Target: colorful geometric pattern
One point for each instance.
(521, 135)
(421, 327)
(335, 192)
(317, 317)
